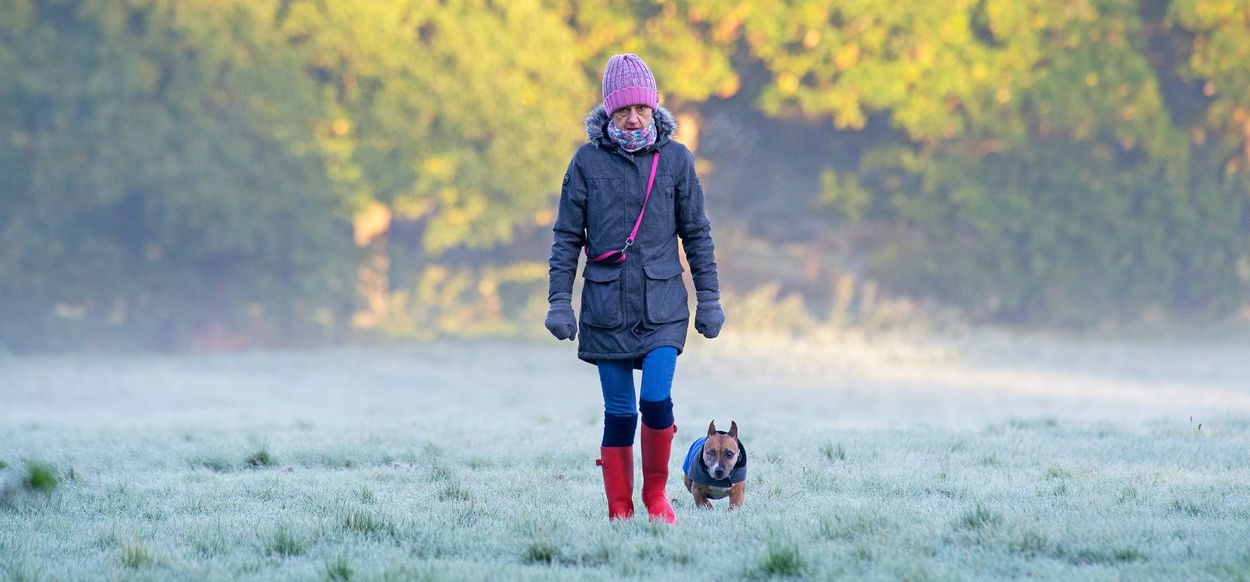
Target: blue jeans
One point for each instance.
(617, 380)
(620, 415)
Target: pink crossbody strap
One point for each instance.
(655, 163)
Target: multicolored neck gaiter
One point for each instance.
(632, 139)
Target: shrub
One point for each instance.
(781, 562)
(40, 478)
(261, 458)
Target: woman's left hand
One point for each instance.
(708, 318)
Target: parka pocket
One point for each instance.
(601, 295)
(666, 293)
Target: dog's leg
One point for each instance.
(700, 497)
(737, 494)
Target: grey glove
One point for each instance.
(560, 319)
(708, 318)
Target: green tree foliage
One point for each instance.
(459, 113)
(1217, 59)
(1046, 178)
(979, 68)
(1010, 238)
(159, 175)
(167, 166)
(676, 38)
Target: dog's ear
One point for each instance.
(733, 429)
(711, 428)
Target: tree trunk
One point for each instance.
(369, 229)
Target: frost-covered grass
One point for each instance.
(474, 461)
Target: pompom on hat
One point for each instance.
(628, 81)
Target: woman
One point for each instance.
(634, 311)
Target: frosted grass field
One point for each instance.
(985, 456)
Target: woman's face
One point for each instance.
(632, 117)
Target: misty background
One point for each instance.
(227, 174)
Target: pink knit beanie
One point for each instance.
(628, 81)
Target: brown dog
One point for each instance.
(716, 467)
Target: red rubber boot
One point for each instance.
(656, 445)
(618, 480)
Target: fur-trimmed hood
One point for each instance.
(597, 126)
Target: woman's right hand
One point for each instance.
(560, 319)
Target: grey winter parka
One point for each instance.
(632, 307)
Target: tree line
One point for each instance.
(183, 171)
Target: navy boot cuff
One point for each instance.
(618, 431)
(658, 414)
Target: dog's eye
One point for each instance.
(729, 454)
